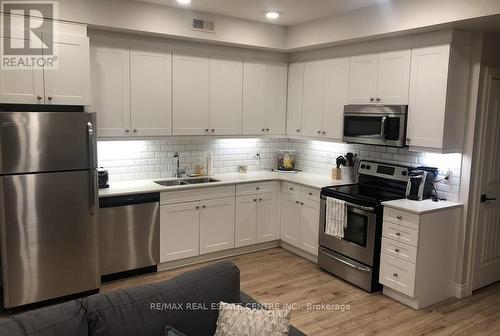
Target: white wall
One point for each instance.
(390, 18)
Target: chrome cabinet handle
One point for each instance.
(297, 202)
(323, 132)
(257, 188)
(263, 130)
(49, 97)
(398, 233)
(290, 188)
(206, 130)
(260, 199)
(395, 274)
(127, 131)
(255, 200)
(203, 206)
(319, 132)
(298, 130)
(310, 194)
(267, 129)
(197, 207)
(378, 99)
(372, 99)
(39, 97)
(396, 250)
(399, 217)
(135, 131)
(213, 130)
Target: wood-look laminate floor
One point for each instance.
(278, 276)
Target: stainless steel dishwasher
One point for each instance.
(129, 229)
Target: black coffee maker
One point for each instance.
(421, 183)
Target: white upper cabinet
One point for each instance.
(295, 98)
(380, 78)
(363, 83)
(226, 96)
(326, 86)
(264, 97)
(276, 80)
(191, 95)
(393, 77)
(111, 89)
(336, 95)
(314, 98)
(150, 92)
(70, 83)
(438, 96)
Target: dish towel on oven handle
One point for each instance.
(336, 217)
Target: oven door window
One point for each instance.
(362, 126)
(356, 230)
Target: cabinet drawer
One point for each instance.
(399, 233)
(401, 217)
(311, 193)
(397, 274)
(399, 250)
(291, 188)
(198, 194)
(256, 188)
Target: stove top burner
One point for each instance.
(363, 194)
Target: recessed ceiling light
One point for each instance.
(184, 2)
(273, 15)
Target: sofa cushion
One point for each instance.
(66, 319)
(188, 302)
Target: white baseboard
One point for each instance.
(460, 290)
(299, 252)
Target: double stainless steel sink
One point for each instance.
(186, 181)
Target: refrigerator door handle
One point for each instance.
(92, 165)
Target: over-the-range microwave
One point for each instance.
(375, 124)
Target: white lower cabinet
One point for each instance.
(267, 210)
(217, 225)
(418, 255)
(246, 220)
(300, 217)
(179, 231)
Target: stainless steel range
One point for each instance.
(356, 256)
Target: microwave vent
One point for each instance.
(203, 25)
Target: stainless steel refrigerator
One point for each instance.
(48, 205)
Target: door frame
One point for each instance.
(488, 74)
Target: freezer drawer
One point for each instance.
(48, 230)
(129, 229)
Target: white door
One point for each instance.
(111, 89)
(294, 98)
(314, 98)
(191, 95)
(276, 81)
(70, 83)
(290, 224)
(336, 96)
(363, 79)
(427, 103)
(179, 231)
(393, 77)
(21, 86)
(267, 220)
(217, 225)
(254, 97)
(150, 92)
(246, 220)
(309, 226)
(487, 266)
(226, 96)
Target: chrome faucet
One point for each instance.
(179, 172)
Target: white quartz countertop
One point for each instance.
(146, 186)
(422, 207)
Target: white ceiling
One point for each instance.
(292, 11)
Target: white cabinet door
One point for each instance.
(309, 226)
(246, 220)
(294, 98)
(254, 97)
(267, 217)
(276, 80)
(217, 225)
(393, 77)
(150, 92)
(179, 231)
(290, 224)
(69, 84)
(226, 109)
(191, 95)
(363, 79)
(428, 88)
(336, 96)
(22, 86)
(314, 98)
(111, 89)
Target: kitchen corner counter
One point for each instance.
(422, 207)
(146, 186)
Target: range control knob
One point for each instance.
(404, 173)
(363, 166)
(368, 167)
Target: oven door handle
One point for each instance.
(355, 206)
(356, 267)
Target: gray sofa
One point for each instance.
(140, 311)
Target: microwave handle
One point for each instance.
(384, 133)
